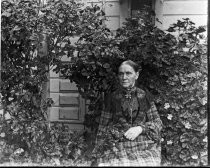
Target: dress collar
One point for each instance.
(127, 92)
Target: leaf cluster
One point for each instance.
(173, 68)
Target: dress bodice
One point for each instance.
(127, 107)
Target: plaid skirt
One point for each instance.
(129, 154)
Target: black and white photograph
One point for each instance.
(105, 83)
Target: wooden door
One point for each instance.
(69, 106)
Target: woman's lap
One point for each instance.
(143, 158)
(126, 162)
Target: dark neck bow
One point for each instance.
(128, 92)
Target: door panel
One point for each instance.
(68, 113)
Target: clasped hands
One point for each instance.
(133, 132)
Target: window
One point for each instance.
(139, 4)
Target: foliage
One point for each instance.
(25, 131)
(185, 98)
(23, 75)
(173, 69)
(54, 145)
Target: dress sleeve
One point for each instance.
(105, 119)
(153, 126)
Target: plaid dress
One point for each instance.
(125, 110)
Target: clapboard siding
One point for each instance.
(195, 10)
(198, 20)
(197, 7)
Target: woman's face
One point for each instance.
(127, 76)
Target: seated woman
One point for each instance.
(129, 127)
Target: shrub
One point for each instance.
(173, 70)
(184, 102)
(25, 131)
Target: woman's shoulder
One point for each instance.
(116, 94)
(140, 93)
(145, 95)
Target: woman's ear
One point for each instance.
(137, 75)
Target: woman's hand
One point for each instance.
(133, 132)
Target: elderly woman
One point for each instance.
(130, 124)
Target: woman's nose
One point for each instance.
(124, 76)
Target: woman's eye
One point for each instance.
(126, 73)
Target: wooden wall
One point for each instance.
(169, 11)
